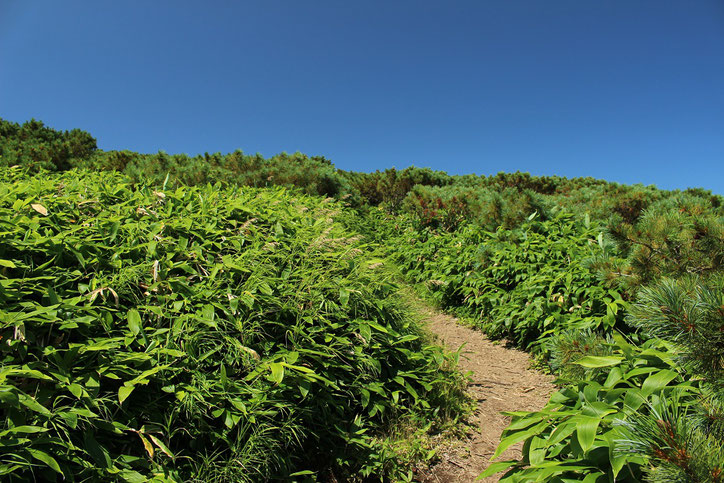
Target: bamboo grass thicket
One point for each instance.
(231, 334)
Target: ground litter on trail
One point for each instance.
(501, 380)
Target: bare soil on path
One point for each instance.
(501, 380)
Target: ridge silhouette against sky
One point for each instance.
(629, 91)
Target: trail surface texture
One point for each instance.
(501, 380)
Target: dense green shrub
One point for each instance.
(684, 442)
(37, 146)
(503, 199)
(524, 284)
(234, 334)
(578, 435)
(677, 236)
(312, 175)
(676, 435)
(449, 207)
(652, 411)
(390, 187)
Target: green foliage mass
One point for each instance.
(37, 146)
(678, 236)
(502, 199)
(525, 284)
(312, 175)
(563, 285)
(683, 438)
(161, 333)
(576, 436)
(571, 288)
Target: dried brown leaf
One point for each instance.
(39, 208)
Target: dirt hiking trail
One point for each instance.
(501, 380)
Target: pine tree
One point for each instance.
(683, 436)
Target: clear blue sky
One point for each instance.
(629, 91)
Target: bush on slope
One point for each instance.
(162, 334)
(526, 284)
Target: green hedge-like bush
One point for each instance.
(230, 334)
(525, 284)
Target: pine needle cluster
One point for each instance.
(683, 436)
(679, 236)
(690, 313)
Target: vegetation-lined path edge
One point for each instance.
(501, 379)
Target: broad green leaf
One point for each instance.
(142, 378)
(344, 296)
(9, 396)
(304, 387)
(562, 431)
(365, 397)
(161, 445)
(53, 297)
(30, 403)
(665, 357)
(527, 421)
(536, 450)
(366, 332)
(378, 327)
(124, 392)
(599, 361)
(23, 430)
(546, 470)
(594, 477)
(616, 460)
(517, 437)
(76, 390)
(96, 451)
(134, 321)
(265, 288)
(26, 373)
(130, 476)
(598, 409)
(614, 376)
(586, 427)
(301, 369)
(405, 338)
(45, 458)
(70, 418)
(291, 357)
(277, 372)
(496, 467)
(657, 381)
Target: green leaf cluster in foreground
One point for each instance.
(229, 334)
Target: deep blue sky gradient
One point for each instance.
(628, 90)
